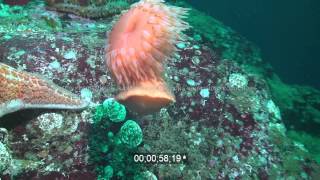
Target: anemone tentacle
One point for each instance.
(142, 39)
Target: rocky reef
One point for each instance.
(228, 118)
(89, 8)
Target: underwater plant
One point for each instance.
(138, 45)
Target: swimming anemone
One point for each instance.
(138, 45)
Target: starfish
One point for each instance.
(22, 90)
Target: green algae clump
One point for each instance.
(116, 111)
(110, 109)
(107, 173)
(131, 134)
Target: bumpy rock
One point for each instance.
(89, 8)
(49, 122)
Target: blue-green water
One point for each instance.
(286, 31)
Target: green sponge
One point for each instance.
(131, 134)
(116, 112)
(106, 174)
(110, 109)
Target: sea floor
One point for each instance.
(233, 117)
